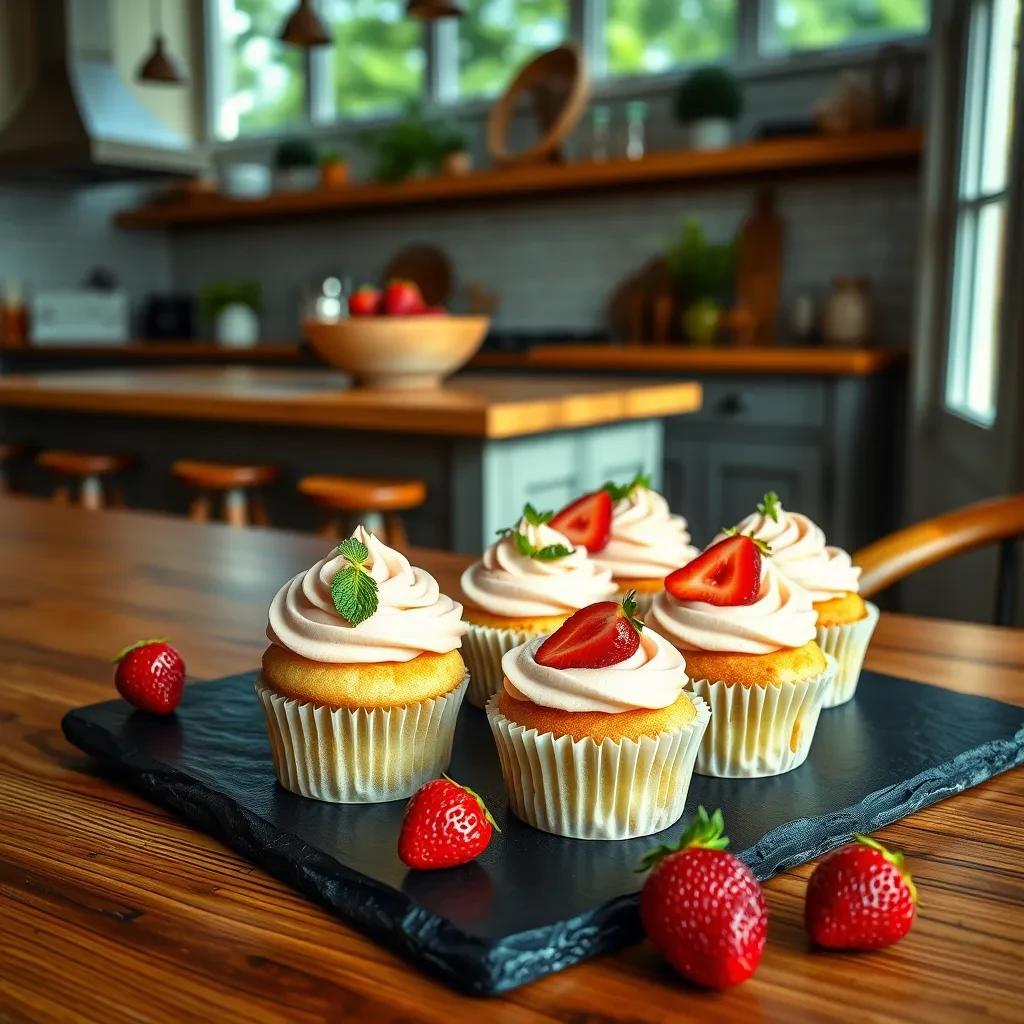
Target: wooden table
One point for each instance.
(112, 910)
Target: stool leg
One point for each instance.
(236, 507)
(115, 495)
(394, 530)
(199, 509)
(258, 510)
(61, 495)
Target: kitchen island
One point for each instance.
(483, 444)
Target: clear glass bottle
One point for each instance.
(636, 115)
(600, 133)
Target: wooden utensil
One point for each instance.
(759, 272)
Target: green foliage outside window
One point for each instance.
(818, 24)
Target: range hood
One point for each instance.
(76, 118)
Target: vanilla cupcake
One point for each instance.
(526, 584)
(362, 682)
(647, 541)
(846, 621)
(747, 634)
(597, 752)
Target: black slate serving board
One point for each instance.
(535, 903)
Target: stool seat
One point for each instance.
(223, 476)
(360, 493)
(83, 464)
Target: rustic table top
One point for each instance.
(475, 405)
(112, 910)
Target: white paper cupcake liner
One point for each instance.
(359, 756)
(615, 789)
(759, 730)
(847, 644)
(482, 650)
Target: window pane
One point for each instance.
(1001, 77)
(377, 56)
(263, 77)
(644, 36)
(496, 37)
(819, 24)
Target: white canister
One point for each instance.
(237, 326)
(846, 316)
(710, 133)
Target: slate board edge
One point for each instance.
(465, 962)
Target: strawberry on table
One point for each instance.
(402, 298)
(860, 897)
(150, 675)
(599, 635)
(445, 825)
(587, 522)
(365, 301)
(726, 574)
(703, 908)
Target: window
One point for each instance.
(650, 36)
(988, 117)
(790, 25)
(377, 57)
(497, 36)
(263, 79)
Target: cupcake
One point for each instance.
(363, 679)
(629, 530)
(595, 731)
(747, 634)
(526, 584)
(845, 620)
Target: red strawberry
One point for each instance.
(445, 825)
(703, 908)
(601, 634)
(402, 298)
(727, 573)
(364, 302)
(151, 675)
(860, 897)
(587, 522)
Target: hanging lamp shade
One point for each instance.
(157, 66)
(305, 27)
(431, 10)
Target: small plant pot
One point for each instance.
(334, 175)
(237, 326)
(701, 320)
(296, 179)
(710, 133)
(458, 164)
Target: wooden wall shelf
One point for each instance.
(890, 148)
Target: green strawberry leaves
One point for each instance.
(353, 589)
(121, 654)
(620, 491)
(544, 553)
(629, 610)
(762, 545)
(704, 832)
(770, 506)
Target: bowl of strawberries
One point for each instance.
(393, 340)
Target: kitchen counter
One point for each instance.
(115, 910)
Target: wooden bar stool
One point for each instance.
(10, 451)
(82, 475)
(375, 501)
(235, 483)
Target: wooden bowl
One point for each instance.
(398, 352)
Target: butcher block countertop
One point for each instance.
(489, 407)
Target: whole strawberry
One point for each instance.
(151, 675)
(445, 825)
(860, 897)
(703, 908)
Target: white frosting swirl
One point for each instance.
(780, 616)
(412, 616)
(647, 541)
(653, 677)
(799, 550)
(507, 582)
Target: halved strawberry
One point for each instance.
(728, 573)
(599, 635)
(587, 522)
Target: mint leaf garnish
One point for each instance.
(550, 552)
(620, 491)
(523, 543)
(353, 589)
(535, 518)
(770, 506)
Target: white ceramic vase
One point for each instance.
(237, 326)
(710, 133)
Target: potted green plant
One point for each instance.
(453, 151)
(333, 169)
(708, 102)
(295, 165)
(402, 150)
(233, 307)
(703, 272)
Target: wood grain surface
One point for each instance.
(111, 910)
(470, 406)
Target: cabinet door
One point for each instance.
(739, 473)
(685, 485)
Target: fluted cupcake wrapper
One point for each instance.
(847, 644)
(615, 789)
(759, 730)
(359, 756)
(482, 651)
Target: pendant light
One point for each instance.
(305, 27)
(158, 66)
(432, 10)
